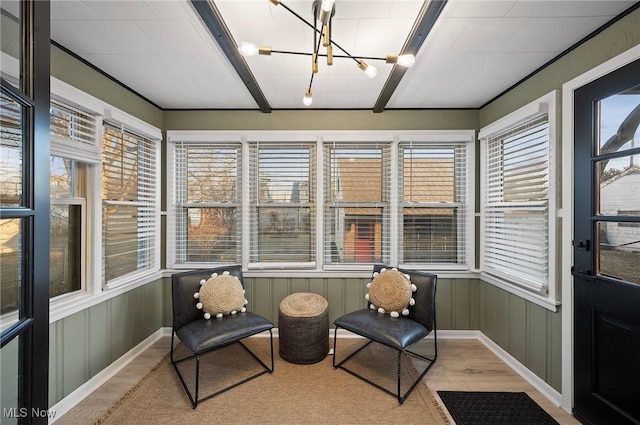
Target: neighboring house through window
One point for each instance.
(357, 196)
(434, 202)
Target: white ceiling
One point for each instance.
(477, 49)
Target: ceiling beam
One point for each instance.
(427, 18)
(218, 29)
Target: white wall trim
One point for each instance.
(64, 405)
(545, 389)
(567, 208)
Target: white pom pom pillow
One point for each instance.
(221, 295)
(391, 292)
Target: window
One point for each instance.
(206, 202)
(282, 207)
(129, 203)
(357, 187)
(300, 201)
(433, 202)
(73, 133)
(67, 248)
(518, 207)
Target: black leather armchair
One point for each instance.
(201, 336)
(400, 334)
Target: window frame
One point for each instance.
(176, 203)
(384, 142)
(466, 258)
(79, 200)
(129, 126)
(88, 154)
(545, 296)
(467, 138)
(93, 291)
(252, 194)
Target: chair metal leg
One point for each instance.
(401, 397)
(194, 399)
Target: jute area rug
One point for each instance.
(292, 394)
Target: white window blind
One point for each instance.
(207, 196)
(356, 198)
(516, 205)
(433, 197)
(282, 203)
(129, 202)
(74, 132)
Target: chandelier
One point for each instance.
(323, 11)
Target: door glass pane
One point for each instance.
(618, 246)
(619, 119)
(619, 185)
(9, 382)
(10, 152)
(10, 270)
(10, 41)
(619, 250)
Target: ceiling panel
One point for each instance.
(478, 48)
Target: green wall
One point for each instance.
(429, 119)
(83, 344)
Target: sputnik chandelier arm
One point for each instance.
(323, 11)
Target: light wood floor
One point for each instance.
(465, 365)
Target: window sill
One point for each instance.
(334, 273)
(60, 309)
(541, 300)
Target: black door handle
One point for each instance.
(584, 274)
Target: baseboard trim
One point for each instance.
(545, 389)
(75, 397)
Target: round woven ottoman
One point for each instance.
(303, 328)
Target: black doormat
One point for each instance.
(481, 407)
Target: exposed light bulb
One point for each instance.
(325, 11)
(327, 5)
(247, 49)
(307, 100)
(371, 71)
(406, 60)
(402, 60)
